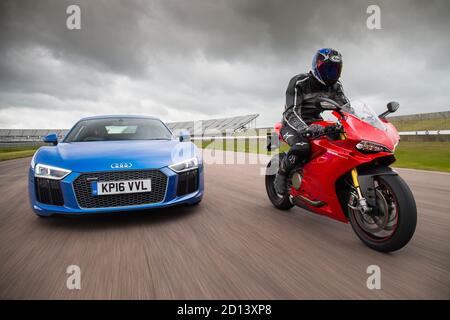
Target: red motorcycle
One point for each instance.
(348, 177)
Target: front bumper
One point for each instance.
(71, 206)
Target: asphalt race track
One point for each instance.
(233, 245)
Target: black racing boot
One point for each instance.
(280, 183)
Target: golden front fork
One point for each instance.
(356, 182)
(354, 173)
(362, 202)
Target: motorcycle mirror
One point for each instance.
(393, 106)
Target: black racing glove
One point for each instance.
(314, 130)
(335, 129)
(331, 129)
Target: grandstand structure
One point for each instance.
(202, 127)
(25, 135)
(212, 126)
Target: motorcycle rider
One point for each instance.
(300, 110)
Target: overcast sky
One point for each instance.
(186, 60)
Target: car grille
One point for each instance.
(83, 190)
(48, 191)
(187, 182)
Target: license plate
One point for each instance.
(119, 187)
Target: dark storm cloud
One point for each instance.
(196, 59)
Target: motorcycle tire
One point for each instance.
(401, 221)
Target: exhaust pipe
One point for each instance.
(298, 200)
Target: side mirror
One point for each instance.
(185, 136)
(51, 138)
(391, 108)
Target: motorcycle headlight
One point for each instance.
(371, 147)
(185, 165)
(50, 172)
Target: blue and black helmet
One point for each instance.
(327, 66)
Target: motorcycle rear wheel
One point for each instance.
(394, 225)
(281, 202)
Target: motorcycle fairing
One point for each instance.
(358, 130)
(331, 159)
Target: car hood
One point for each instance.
(102, 155)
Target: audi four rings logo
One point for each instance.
(121, 165)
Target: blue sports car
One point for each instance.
(115, 163)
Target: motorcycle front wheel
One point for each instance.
(392, 225)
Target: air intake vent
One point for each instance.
(187, 182)
(48, 191)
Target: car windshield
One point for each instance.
(113, 129)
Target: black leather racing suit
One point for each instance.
(300, 112)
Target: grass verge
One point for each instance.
(423, 155)
(15, 153)
(421, 125)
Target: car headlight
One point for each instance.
(50, 172)
(371, 147)
(185, 165)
